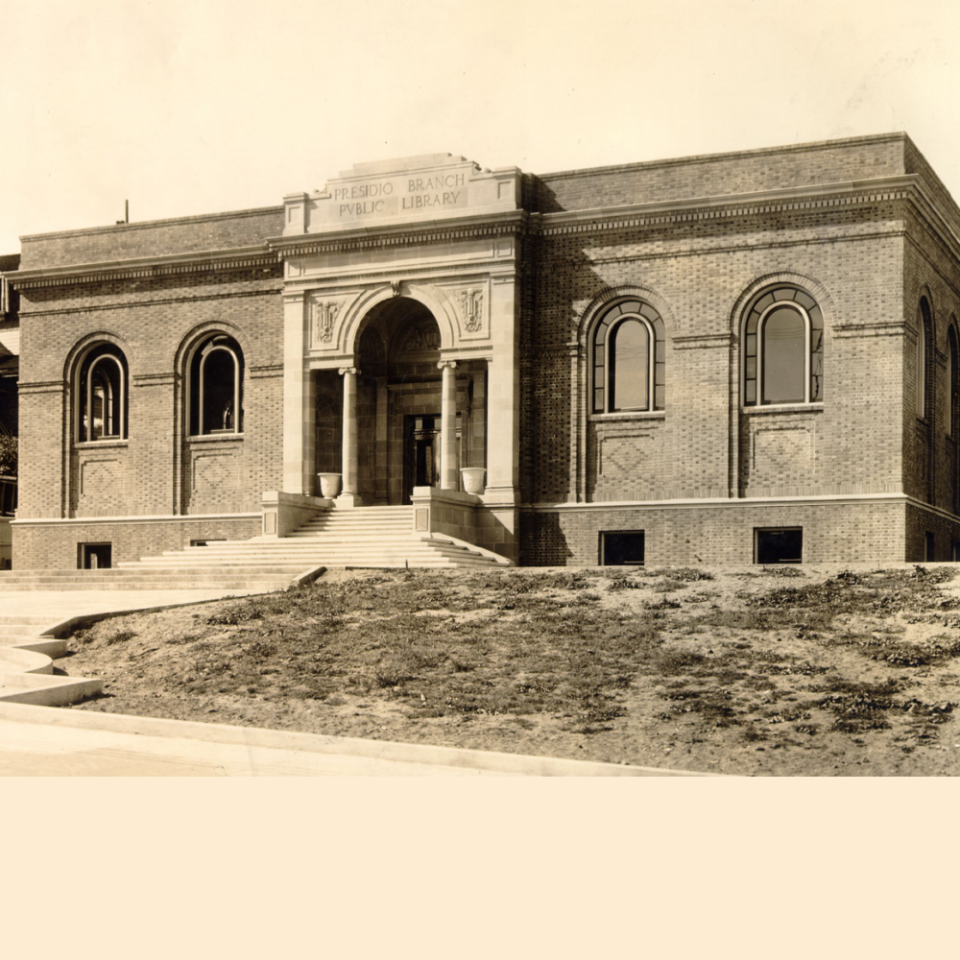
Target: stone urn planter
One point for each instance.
(329, 484)
(473, 479)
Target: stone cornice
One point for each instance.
(145, 267)
(156, 301)
(739, 502)
(402, 235)
(728, 206)
(910, 188)
(273, 251)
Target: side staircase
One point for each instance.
(361, 537)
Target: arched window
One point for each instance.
(952, 399)
(628, 359)
(216, 387)
(783, 349)
(102, 395)
(924, 331)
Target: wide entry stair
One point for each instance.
(361, 537)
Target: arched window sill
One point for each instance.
(215, 437)
(100, 444)
(628, 415)
(771, 408)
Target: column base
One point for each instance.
(347, 501)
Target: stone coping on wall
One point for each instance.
(695, 502)
(145, 518)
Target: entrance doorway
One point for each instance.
(421, 449)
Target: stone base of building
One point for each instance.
(881, 529)
(59, 544)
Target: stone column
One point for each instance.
(348, 493)
(448, 426)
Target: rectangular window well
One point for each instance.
(784, 545)
(623, 547)
(94, 556)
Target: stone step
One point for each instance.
(54, 647)
(280, 558)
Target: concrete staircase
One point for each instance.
(27, 651)
(384, 537)
(361, 537)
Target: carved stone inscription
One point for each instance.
(399, 195)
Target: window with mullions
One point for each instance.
(628, 359)
(783, 349)
(216, 387)
(102, 395)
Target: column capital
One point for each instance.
(353, 370)
(447, 365)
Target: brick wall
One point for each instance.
(717, 534)
(55, 546)
(851, 263)
(240, 228)
(157, 470)
(726, 174)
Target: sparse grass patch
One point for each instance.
(578, 663)
(684, 574)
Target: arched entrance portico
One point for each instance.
(406, 418)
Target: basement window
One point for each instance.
(783, 545)
(929, 547)
(94, 556)
(621, 548)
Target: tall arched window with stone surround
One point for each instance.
(782, 348)
(952, 399)
(101, 393)
(924, 359)
(628, 359)
(216, 386)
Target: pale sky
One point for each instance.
(194, 106)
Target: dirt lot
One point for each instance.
(786, 670)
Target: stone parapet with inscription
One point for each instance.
(413, 189)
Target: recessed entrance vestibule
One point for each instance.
(403, 401)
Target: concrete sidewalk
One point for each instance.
(46, 741)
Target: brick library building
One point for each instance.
(739, 358)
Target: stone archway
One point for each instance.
(401, 394)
